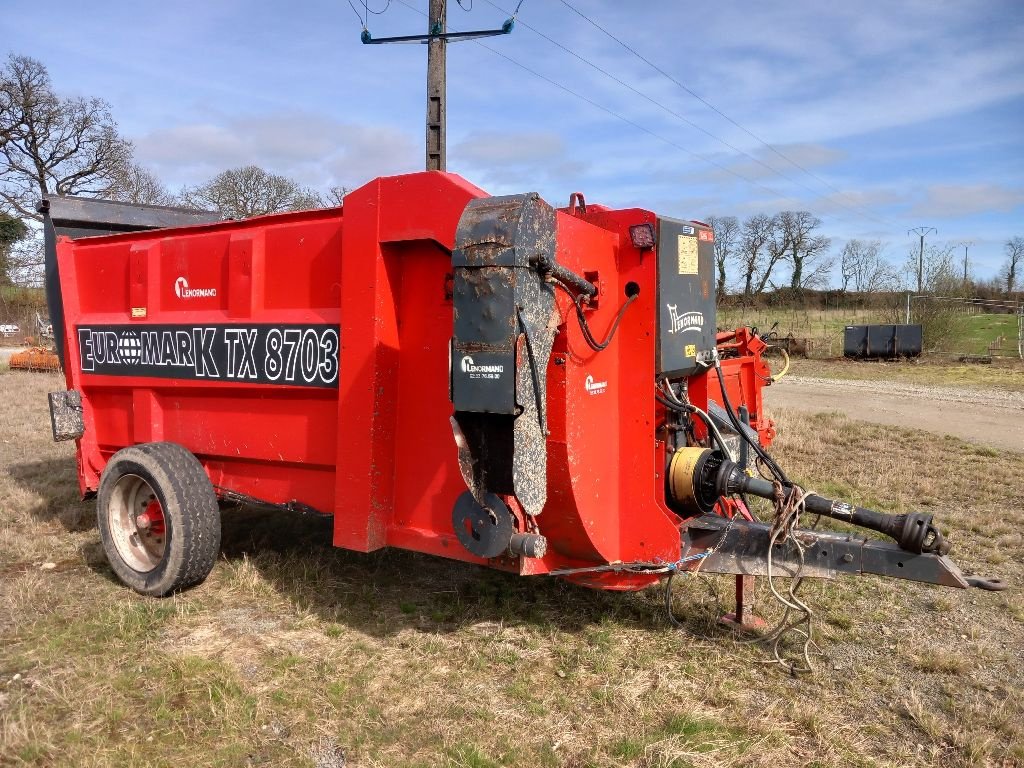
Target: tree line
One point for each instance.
(751, 257)
(56, 145)
(51, 144)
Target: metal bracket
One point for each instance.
(66, 415)
(744, 550)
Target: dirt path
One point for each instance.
(994, 418)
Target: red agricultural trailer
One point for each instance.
(482, 378)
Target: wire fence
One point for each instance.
(953, 326)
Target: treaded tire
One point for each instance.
(191, 517)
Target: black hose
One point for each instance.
(594, 344)
(577, 301)
(756, 445)
(689, 410)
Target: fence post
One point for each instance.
(1020, 331)
(908, 307)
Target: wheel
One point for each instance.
(158, 518)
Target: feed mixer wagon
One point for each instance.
(489, 379)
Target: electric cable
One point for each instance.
(718, 111)
(362, 22)
(588, 336)
(623, 118)
(689, 408)
(776, 470)
(679, 116)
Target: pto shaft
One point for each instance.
(698, 477)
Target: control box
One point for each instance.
(686, 296)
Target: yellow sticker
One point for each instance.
(138, 312)
(691, 350)
(687, 255)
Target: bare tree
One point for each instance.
(940, 277)
(806, 251)
(755, 237)
(727, 237)
(48, 144)
(25, 260)
(1014, 248)
(250, 191)
(939, 273)
(335, 196)
(131, 183)
(864, 268)
(12, 230)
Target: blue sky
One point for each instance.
(899, 113)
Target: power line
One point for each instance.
(623, 118)
(359, 16)
(628, 121)
(657, 103)
(921, 232)
(718, 111)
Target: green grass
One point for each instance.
(975, 334)
(972, 334)
(294, 653)
(1005, 375)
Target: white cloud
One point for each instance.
(315, 150)
(514, 160)
(956, 200)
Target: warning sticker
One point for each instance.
(687, 251)
(691, 350)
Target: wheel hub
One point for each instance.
(137, 523)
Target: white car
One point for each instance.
(9, 329)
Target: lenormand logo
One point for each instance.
(681, 323)
(182, 291)
(595, 387)
(480, 371)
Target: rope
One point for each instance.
(788, 509)
(635, 566)
(701, 557)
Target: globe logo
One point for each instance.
(130, 348)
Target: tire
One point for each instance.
(158, 518)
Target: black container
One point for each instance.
(868, 341)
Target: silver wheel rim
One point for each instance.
(141, 547)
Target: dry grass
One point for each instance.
(1007, 375)
(297, 654)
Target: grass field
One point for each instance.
(296, 654)
(1007, 375)
(972, 334)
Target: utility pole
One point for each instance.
(437, 39)
(921, 232)
(966, 244)
(437, 48)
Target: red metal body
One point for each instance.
(375, 449)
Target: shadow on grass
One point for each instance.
(380, 593)
(55, 482)
(385, 592)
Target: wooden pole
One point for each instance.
(436, 98)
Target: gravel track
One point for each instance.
(986, 417)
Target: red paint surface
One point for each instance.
(377, 452)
